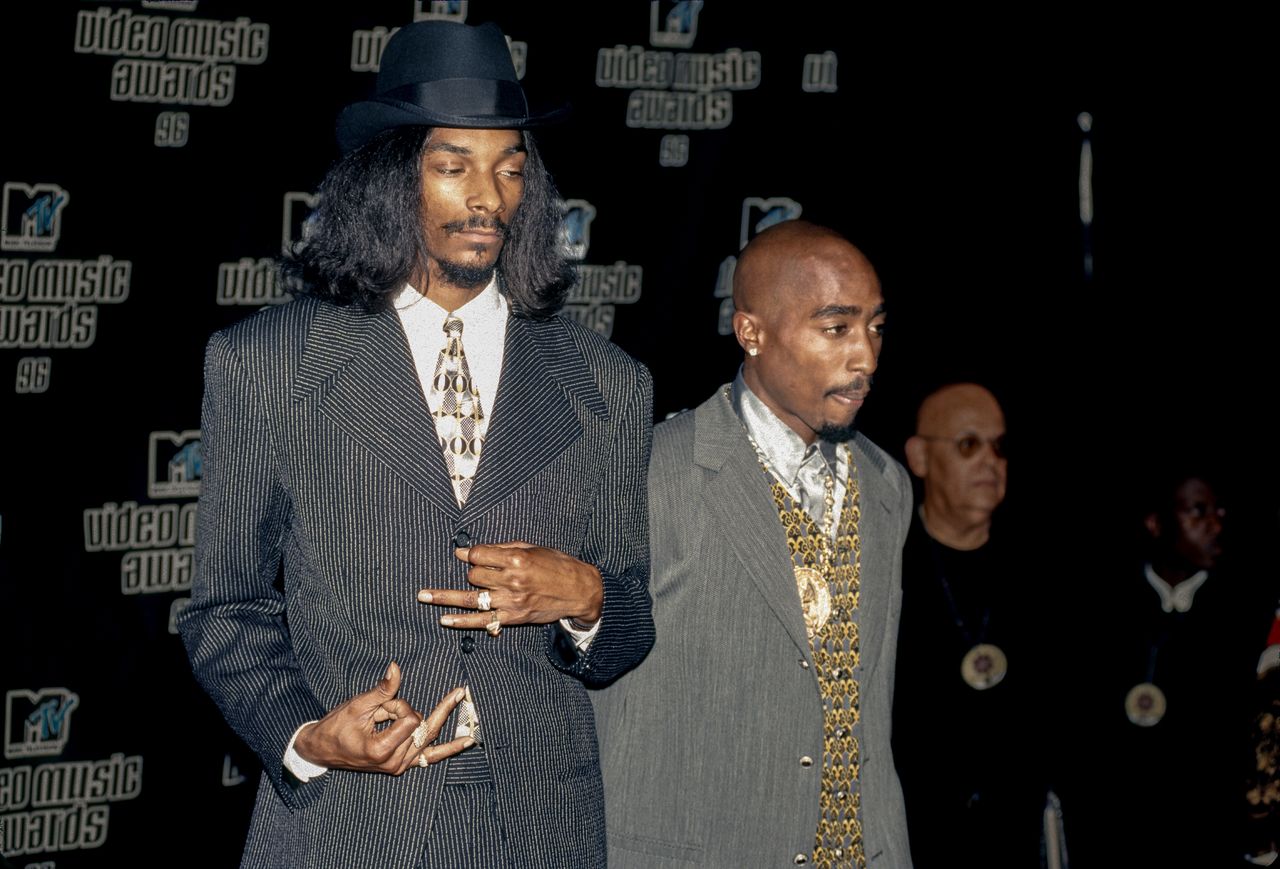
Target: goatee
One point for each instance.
(465, 276)
(837, 434)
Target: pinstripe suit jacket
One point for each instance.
(701, 744)
(325, 505)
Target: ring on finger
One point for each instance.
(420, 735)
(423, 762)
(494, 627)
(483, 602)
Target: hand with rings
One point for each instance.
(378, 731)
(429, 728)
(516, 584)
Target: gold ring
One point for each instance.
(483, 602)
(494, 627)
(420, 734)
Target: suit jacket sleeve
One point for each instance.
(617, 542)
(234, 629)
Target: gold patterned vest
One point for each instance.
(835, 655)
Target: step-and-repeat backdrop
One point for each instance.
(158, 156)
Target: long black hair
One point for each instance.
(364, 240)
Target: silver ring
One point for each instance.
(420, 735)
(494, 627)
(423, 762)
(483, 602)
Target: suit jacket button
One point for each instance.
(462, 539)
(806, 761)
(801, 859)
(804, 665)
(467, 644)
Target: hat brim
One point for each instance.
(360, 122)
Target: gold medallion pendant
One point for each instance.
(984, 666)
(1145, 704)
(815, 599)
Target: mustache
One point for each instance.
(858, 387)
(487, 224)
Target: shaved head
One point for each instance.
(782, 256)
(810, 316)
(958, 451)
(941, 408)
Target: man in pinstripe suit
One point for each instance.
(423, 491)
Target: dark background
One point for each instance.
(950, 153)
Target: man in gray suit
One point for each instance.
(756, 732)
(350, 459)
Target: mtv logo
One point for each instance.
(724, 320)
(575, 232)
(297, 212)
(760, 214)
(231, 775)
(673, 25)
(175, 610)
(32, 216)
(37, 723)
(519, 53)
(724, 279)
(173, 464)
(440, 10)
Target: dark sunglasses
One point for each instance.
(968, 445)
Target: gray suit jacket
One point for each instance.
(325, 505)
(702, 743)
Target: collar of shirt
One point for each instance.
(1176, 597)
(484, 335)
(782, 448)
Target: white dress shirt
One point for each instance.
(1176, 597)
(484, 335)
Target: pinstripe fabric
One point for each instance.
(701, 745)
(325, 506)
(468, 830)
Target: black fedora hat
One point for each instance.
(443, 74)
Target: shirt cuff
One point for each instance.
(303, 770)
(581, 639)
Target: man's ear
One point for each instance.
(917, 456)
(746, 330)
(1152, 523)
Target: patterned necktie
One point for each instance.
(459, 416)
(812, 478)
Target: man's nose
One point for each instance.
(483, 195)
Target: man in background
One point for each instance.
(965, 705)
(1169, 658)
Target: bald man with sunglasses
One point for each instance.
(967, 682)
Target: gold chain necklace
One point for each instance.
(811, 582)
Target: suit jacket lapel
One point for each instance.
(360, 371)
(533, 420)
(876, 528)
(738, 499)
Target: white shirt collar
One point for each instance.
(484, 334)
(487, 307)
(1176, 597)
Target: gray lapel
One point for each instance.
(360, 371)
(876, 529)
(738, 500)
(533, 419)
